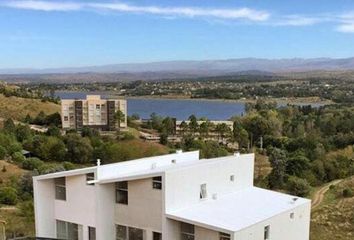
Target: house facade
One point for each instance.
(171, 197)
(93, 112)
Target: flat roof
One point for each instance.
(239, 210)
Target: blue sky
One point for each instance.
(44, 34)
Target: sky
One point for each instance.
(53, 33)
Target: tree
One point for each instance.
(223, 130)
(53, 131)
(2, 152)
(8, 195)
(298, 187)
(53, 149)
(53, 119)
(9, 126)
(28, 119)
(79, 149)
(204, 129)
(23, 132)
(168, 126)
(297, 165)
(277, 158)
(193, 124)
(119, 117)
(40, 119)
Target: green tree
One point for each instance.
(193, 123)
(53, 149)
(8, 195)
(298, 187)
(119, 117)
(277, 158)
(79, 149)
(9, 126)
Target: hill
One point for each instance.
(17, 108)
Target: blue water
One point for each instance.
(180, 109)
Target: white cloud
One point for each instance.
(346, 28)
(297, 20)
(43, 5)
(240, 13)
(237, 13)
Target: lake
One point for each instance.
(178, 108)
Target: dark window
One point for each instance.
(224, 236)
(60, 188)
(90, 177)
(203, 191)
(156, 236)
(129, 233)
(92, 233)
(266, 232)
(157, 182)
(122, 192)
(187, 231)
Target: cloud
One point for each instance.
(43, 5)
(297, 20)
(237, 13)
(240, 13)
(346, 28)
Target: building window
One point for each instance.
(292, 215)
(203, 191)
(67, 231)
(266, 232)
(92, 233)
(224, 236)
(129, 233)
(122, 192)
(156, 236)
(60, 188)
(90, 177)
(98, 106)
(232, 178)
(157, 182)
(187, 231)
(66, 118)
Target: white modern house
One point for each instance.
(170, 197)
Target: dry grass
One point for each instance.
(334, 219)
(11, 171)
(17, 108)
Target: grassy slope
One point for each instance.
(17, 108)
(334, 218)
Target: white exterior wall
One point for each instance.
(105, 210)
(80, 204)
(281, 226)
(144, 209)
(44, 195)
(183, 185)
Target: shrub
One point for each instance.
(50, 168)
(8, 195)
(32, 163)
(348, 193)
(18, 157)
(68, 166)
(297, 186)
(2, 152)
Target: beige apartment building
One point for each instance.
(93, 112)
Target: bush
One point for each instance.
(32, 163)
(68, 166)
(18, 157)
(50, 168)
(8, 195)
(297, 186)
(2, 152)
(348, 193)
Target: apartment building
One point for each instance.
(171, 197)
(93, 112)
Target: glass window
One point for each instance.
(92, 233)
(66, 118)
(60, 188)
(136, 234)
(224, 236)
(232, 178)
(98, 106)
(156, 236)
(266, 232)
(129, 233)
(203, 191)
(121, 232)
(67, 231)
(122, 192)
(157, 182)
(187, 231)
(90, 177)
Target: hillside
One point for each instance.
(17, 108)
(334, 218)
